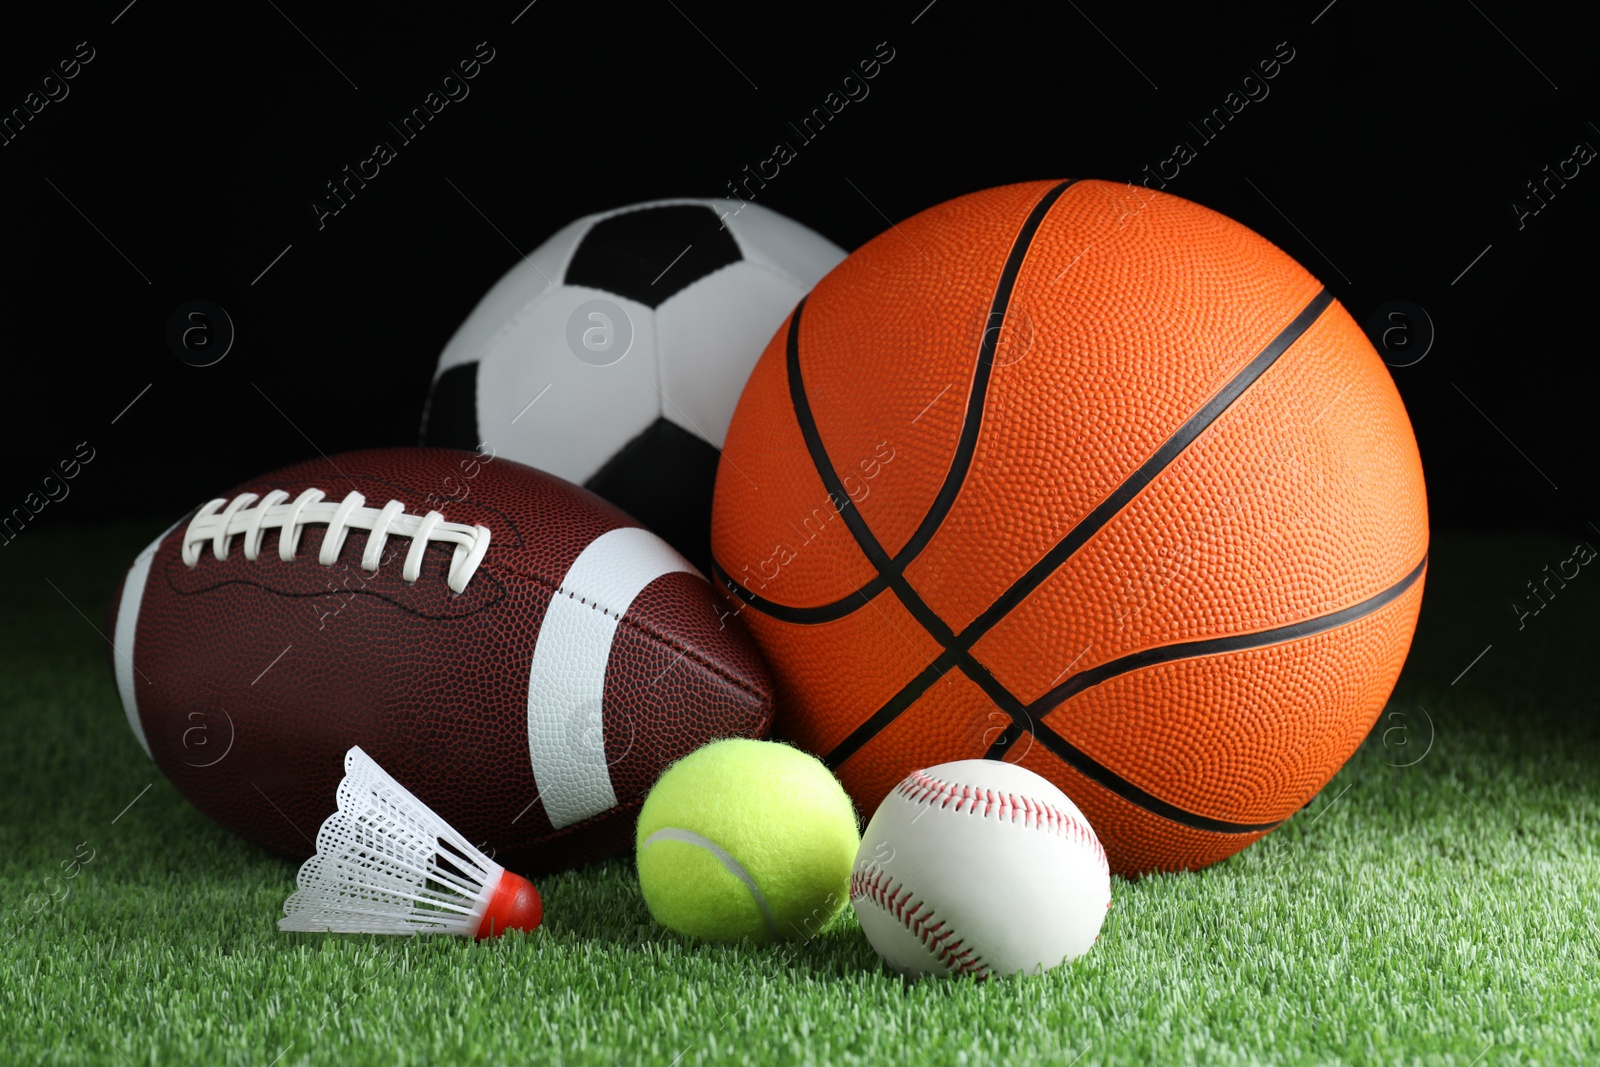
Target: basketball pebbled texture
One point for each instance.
(250, 679)
(1088, 478)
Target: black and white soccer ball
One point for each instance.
(614, 353)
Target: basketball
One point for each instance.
(1086, 478)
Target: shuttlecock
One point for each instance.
(386, 864)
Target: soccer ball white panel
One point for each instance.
(717, 322)
(705, 284)
(569, 427)
(541, 269)
(770, 239)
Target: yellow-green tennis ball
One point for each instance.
(746, 839)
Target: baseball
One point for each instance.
(979, 868)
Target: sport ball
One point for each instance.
(613, 354)
(979, 868)
(525, 658)
(746, 839)
(1087, 478)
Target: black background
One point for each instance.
(187, 154)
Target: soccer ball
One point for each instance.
(614, 353)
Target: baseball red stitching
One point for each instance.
(936, 937)
(920, 787)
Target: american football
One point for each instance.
(519, 652)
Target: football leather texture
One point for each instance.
(532, 709)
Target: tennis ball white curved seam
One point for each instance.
(734, 867)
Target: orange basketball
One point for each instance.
(1091, 479)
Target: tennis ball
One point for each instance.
(746, 839)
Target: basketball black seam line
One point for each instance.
(977, 397)
(966, 443)
(1035, 575)
(940, 631)
(785, 613)
(1082, 762)
(1026, 716)
(874, 723)
(1092, 769)
(851, 515)
(1078, 535)
(1147, 471)
(1212, 646)
(1008, 702)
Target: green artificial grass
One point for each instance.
(1439, 913)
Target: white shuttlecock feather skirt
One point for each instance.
(386, 864)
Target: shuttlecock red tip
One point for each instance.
(514, 906)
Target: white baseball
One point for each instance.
(979, 867)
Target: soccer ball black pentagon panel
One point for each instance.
(614, 353)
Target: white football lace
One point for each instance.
(221, 519)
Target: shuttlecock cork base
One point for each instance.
(515, 905)
(386, 864)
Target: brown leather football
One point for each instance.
(521, 655)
